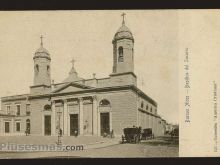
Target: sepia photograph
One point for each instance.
(89, 84)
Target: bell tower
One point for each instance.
(42, 77)
(123, 55)
(123, 49)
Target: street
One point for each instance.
(159, 147)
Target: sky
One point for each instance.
(87, 37)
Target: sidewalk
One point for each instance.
(88, 142)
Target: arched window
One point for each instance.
(104, 102)
(120, 54)
(146, 107)
(48, 69)
(47, 107)
(150, 109)
(142, 104)
(37, 68)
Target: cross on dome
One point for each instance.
(73, 70)
(41, 40)
(123, 17)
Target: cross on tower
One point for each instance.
(41, 40)
(123, 21)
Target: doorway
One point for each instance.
(7, 127)
(47, 125)
(74, 125)
(105, 124)
(28, 126)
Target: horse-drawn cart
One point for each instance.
(147, 134)
(131, 135)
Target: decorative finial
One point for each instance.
(123, 16)
(73, 71)
(41, 40)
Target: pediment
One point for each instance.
(71, 87)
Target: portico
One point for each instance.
(74, 115)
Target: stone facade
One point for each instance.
(80, 106)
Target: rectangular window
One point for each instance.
(7, 127)
(18, 110)
(18, 127)
(8, 108)
(28, 112)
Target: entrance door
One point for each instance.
(28, 125)
(105, 125)
(47, 125)
(74, 125)
(7, 128)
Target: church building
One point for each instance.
(82, 106)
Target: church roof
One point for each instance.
(42, 52)
(78, 87)
(123, 32)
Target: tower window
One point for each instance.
(120, 54)
(142, 104)
(37, 68)
(48, 69)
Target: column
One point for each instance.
(12, 125)
(65, 113)
(110, 120)
(1, 123)
(157, 124)
(98, 122)
(95, 114)
(42, 123)
(53, 121)
(145, 120)
(153, 123)
(81, 116)
(150, 122)
(68, 121)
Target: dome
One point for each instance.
(123, 32)
(42, 52)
